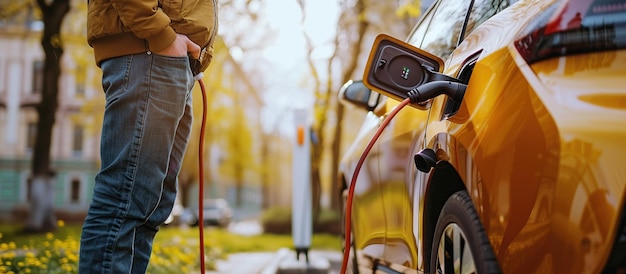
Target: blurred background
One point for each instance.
(271, 58)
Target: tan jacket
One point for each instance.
(122, 27)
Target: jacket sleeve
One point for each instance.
(147, 21)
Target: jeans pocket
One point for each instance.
(170, 66)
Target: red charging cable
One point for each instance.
(201, 173)
(379, 131)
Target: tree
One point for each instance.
(42, 216)
(244, 32)
(226, 127)
(354, 47)
(358, 19)
(238, 157)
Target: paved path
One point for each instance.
(245, 263)
(271, 262)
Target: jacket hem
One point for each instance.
(117, 45)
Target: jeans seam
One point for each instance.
(149, 84)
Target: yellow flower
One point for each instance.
(60, 223)
(67, 268)
(72, 257)
(49, 236)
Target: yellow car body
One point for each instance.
(538, 146)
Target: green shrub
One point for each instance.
(277, 220)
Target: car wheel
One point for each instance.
(460, 244)
(353, 266)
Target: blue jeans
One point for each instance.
(146, 127)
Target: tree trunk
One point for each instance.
(335, 202)
(348, 71)
(41, 216)
(265, 182)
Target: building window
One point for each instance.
(37, 77)
(31, 135)
(77, 141)
(75, 191)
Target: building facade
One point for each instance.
(74, 144)
(76, 133)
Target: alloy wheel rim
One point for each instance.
(454, 254)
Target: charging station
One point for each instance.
(301, 210)
(301, 204)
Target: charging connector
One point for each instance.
(430, 90)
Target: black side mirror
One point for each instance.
(355, 93)
(395, 68)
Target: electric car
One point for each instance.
(510, 155)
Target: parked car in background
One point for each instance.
(216, 212)
(182, 216)
(520, 168)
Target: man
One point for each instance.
(144, 48)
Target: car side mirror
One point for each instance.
(396, 68)
(355, 93)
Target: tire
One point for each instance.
(460, 241)
(353, 266)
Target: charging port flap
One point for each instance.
(395, 67)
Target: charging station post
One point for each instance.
(302, 206)
(301, 211)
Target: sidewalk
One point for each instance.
(281, 261)
(252, 262)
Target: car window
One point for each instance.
(417, 35)
(443, 32)
(483, 10)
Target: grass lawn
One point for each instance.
(233, 243)
(175, 248)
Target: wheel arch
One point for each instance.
(444, 181)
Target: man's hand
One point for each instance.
(182, 46)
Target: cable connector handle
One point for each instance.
(433, 89)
